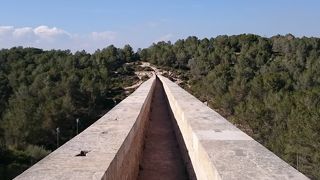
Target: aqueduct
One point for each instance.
(162, 132)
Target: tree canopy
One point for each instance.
(269, 87)
(44, 90)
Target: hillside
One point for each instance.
(41, 91)
(268, 87)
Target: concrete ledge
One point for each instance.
(114, 143)
(217, 149)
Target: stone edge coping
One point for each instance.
(102, 140)
(218, 149)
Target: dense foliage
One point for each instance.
(44, 90)
(270, 87)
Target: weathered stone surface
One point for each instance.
(219, 150)
(114, 144)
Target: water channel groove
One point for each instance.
(162, 156)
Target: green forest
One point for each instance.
(268, 87)
(44, 90)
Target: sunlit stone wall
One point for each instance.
(217, 149)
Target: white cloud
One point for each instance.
(41, 32)
(48, 33)
(5, 30)
(22, 32)
(166, 37)
(105, 35)
(54, 38)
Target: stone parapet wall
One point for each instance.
(114, 144)
(217, 149)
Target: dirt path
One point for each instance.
(161, 157)
(155, 70)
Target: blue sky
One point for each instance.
(92, 24)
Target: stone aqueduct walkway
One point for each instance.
(161, 132)
(161, 158)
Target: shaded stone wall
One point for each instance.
(217, 149)
(113, 144)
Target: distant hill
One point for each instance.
(268, 87)
(41, 91)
